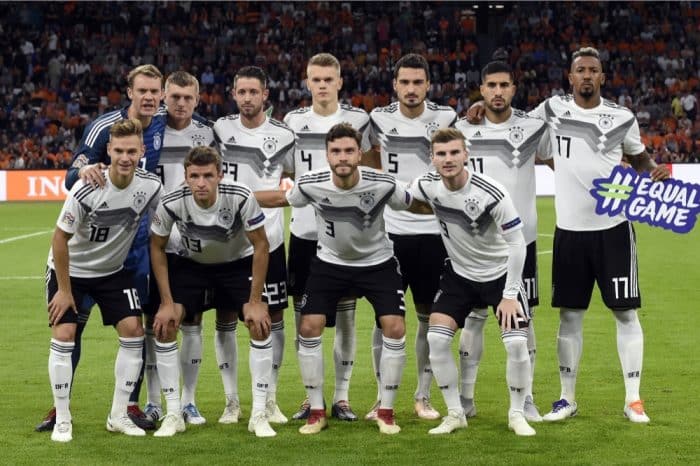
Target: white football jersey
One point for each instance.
(310, 153)
(589, 144)
(349, 222)
(104, 221)
(257, 158)
(506, 152)
(472, 222)
(405, 153)
(215, 235)
(176, 145)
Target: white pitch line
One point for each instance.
(26, 277)
(543, 252)
(17, 238)
(549, 235)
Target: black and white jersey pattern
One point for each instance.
(588, 144)
(257, 158)
(404, 147)
(349, 223)
(214, 235)
(104, 222)
(506, 152)
(310, 129)
(472, 221)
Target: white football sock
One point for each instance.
(169, 375)
(517, 369)
(391, 367)
(227, 357)
(127, 367)
(344, 348)
(310, 356)
(443, 364)
(569, 349)
(377, 345)
(153, 388)
(61, 377)
(630, 347)
(190, 361)
(423, 369)
(531, 351)
(471, 346)
(277, 334)
(260, 361)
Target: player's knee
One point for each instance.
(393, 327)
(63, 332)
(627, 317)
(130, 327)
(516, 348)
(311, 326)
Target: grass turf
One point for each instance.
(669, 275)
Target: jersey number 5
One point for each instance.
(393, 163)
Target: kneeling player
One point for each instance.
(94, 232)
(481, 231)
(218, 221)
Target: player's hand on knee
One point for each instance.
(59, 304)
(92, 174)
(507, 312)
(166, 321)
(257, 319)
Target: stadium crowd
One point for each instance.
(64, 63)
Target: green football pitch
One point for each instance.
(669, 278)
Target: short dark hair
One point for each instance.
(445, 135)
(412, 60)
(182, 79)
(251, 72)
(125, 128)
(586, 52)
(202, 156)
(496, 66)
(343, 130)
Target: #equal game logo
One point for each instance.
(670, 204)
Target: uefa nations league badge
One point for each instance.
(670, 204)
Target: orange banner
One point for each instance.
(35, 185)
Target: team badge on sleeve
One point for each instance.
(68, 219)
(513, 223)
(671, 204)
(80, 161)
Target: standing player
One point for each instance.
(311, 124)
(354, 256)
(257, 151)
(482, 234)
(218, 221)
(503, 146)
(145, 86)
(182, 133)
(401, 135)
(93, 236)
(592, 135)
